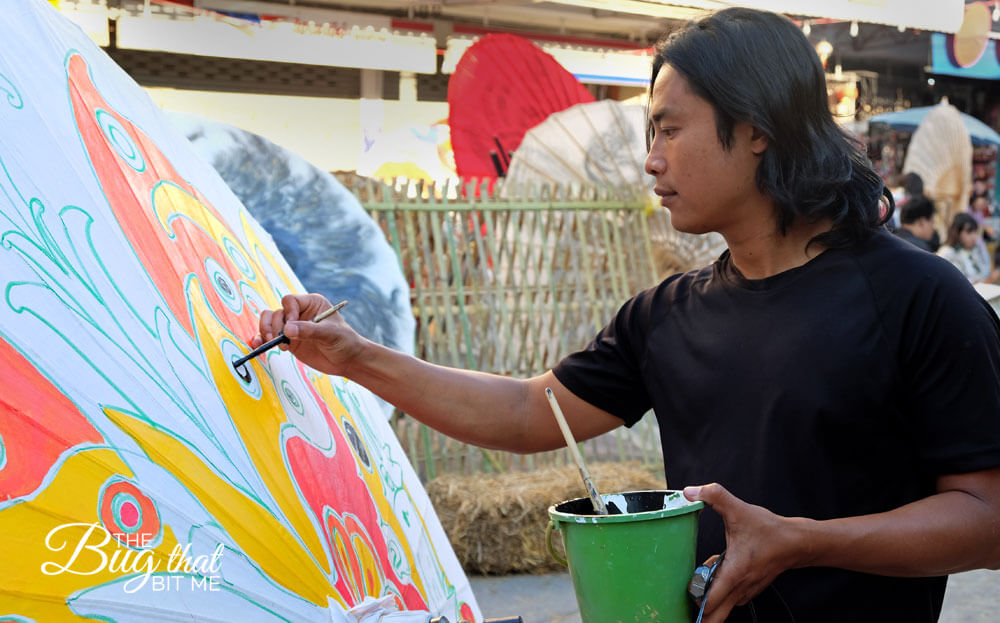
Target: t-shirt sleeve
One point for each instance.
(950, 366)
(607, 372)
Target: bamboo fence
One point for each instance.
(510, 282)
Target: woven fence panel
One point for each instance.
(510, 286)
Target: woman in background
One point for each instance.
(964, 247)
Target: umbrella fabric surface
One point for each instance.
(502, 86)
(420, 153)
(595, 144)
(322, 231)
(602, 144)
(940, 151)
(142, 478)
(910, 118)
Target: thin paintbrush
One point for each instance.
(595, 498)
(281, 339)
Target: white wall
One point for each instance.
(324, 131)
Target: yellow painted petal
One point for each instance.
(72, 497)
(254, 529)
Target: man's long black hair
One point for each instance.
(757, 67)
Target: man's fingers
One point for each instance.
(264, 322)
(290, 304)
(715, 495)
(723, 595)
(719, 606)
(303, 330)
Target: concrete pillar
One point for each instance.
(372, 81)
(407, 86)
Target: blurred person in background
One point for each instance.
(917, 222)
(965, 249)
(912, 188)
(983, 209)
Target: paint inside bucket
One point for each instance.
(634, 566)
(630, 503)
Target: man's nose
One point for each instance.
(654, 163)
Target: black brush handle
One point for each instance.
(266, 346)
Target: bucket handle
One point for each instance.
(548, 543)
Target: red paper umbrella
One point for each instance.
(503, 86)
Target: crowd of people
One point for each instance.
(969, 238)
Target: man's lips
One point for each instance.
(665, 195)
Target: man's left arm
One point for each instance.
(957, 529)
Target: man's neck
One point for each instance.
(913, 229)
(766, 252)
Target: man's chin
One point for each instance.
(689, 228)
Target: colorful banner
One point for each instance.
(984, 65)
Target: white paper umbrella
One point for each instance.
(141, 477)
(322, 231)
(598, 143)
(941, 153)
(602, 144)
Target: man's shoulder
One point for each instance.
(894, 266)
(679, 286)
(657, 302)
(896, 247)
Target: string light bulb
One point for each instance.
(854, 28)
(806, 27)
(824, 49)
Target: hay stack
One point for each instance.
(496, 522)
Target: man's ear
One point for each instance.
(758, 141)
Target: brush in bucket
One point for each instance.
(600, 506)
(630, 554)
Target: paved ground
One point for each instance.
(972, 597)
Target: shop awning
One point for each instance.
(336, 43)
(590, 65)
(932, 15)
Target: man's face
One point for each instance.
(923, 228)
(704, 186)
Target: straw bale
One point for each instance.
(496, 522)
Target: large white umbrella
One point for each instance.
(142, 477)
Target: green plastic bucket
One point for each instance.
(630, 567)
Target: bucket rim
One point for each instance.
(571, 518)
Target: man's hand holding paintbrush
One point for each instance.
(489, 410)
(329, 345)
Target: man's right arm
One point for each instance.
(483, 409)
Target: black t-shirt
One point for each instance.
(839, 388)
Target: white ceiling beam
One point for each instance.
(932, 15)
